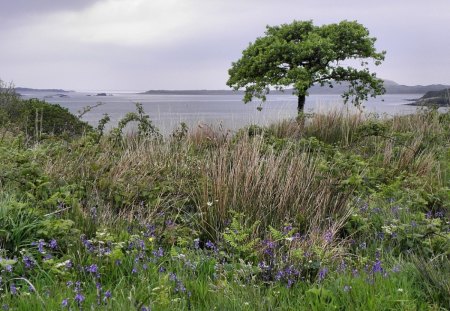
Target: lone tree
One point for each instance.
(300, 54)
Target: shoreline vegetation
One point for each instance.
(327, 211)
(439, 98)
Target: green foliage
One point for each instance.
(240, 237)
(301, 54)
(144, 124)
(434, 278)
(143, 221)
(39, 119)
(19, 225)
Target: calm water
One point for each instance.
(228, 111)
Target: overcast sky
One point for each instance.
(190, 44)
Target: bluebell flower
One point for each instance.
(13, 289)
(79, 298)
(377, 267)
(158, 253)
(40, 245)
(328, 236)
(322, 273)
(69, 264)
(172, 276)
(287, 229)
(92, 268)
(210, 245)
(65, 303)
(53, 244)
(107, 294)
(77, 286)
(29, 263)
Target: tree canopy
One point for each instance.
(300, 54)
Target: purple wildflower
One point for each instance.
(210, 245)
(13, 289)
(92, 268)
(377, 267)
(29, 263)
(40, 244)
(290, 283)
(77, 286)
(158, 253)
(342, 266)
(279, 275)
(172, 277)
(65, 303)
(9, 268)
(322, 273)
(79, 298)
(328, 236)
(269, 247)
(107, 295)
(53, 244)
(287, 229)
(68, 264)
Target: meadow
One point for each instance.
(335, 211)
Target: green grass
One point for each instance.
(339, 212)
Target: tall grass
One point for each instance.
(267, 185)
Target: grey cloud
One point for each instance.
(15, 8)
(413, 32)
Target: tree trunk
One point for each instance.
(301, 103)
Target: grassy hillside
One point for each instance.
(325, 212)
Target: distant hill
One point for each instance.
(192, 92)
(434, 98)
(26, 89)
(391, 88)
